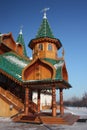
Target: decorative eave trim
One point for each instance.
(45, 39)
(48, 84)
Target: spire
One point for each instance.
(44, 30)
(20, 40)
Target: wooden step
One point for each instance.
(53, 120)
(30, 119)
(68, 119)
(71, 118)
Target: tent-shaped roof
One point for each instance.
(20, 40)
(44, 30)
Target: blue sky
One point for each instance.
(68, 21)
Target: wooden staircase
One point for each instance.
(10, 98)
(32, 117)
(33, 108)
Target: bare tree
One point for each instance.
(84, 99)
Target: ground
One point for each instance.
(7, 124)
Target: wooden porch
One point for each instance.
(32, 113)
(47, 118)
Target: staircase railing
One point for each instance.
(17, 102)
(33, 106)
(12, 98)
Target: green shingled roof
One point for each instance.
(58, 66)
(44, 30)
(13, 64)
(20, 40)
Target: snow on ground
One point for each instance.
(7, 124)
(3, 119)
(27, 126)
(80, 111)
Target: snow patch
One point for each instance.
(18, 75)
(16, 61)
(5, 119)
(58, 65)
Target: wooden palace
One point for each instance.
(20, 76)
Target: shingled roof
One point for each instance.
(13, 64)
(44, 30)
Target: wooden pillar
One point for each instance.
(53, 101)
(38, 102)
(30, 93)
(61, 102)
(26, 106)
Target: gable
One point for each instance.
(38, 70)
(8, 40)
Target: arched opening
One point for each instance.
(40, 46)
(49, 47)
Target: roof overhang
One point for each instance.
(40, 84)
(45, 39)
(47, 84)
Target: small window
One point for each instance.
(40, 46)
(49, 47)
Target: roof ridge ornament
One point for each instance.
(44, 11)
(21, 29)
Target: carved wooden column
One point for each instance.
(38, 102)
(53, 101)
(61, 102)
(26, 105)
(30, 93)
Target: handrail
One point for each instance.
(12, 98)
(33, 106)
(15, 101)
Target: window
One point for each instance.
(49, 47)
(40, 46)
